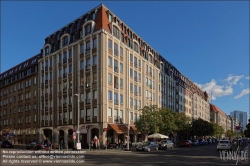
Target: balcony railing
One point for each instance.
(115, 68)
(64, 60)
(64, 90)
(87, 50)
(88, 85)
(46, 68)
(116, 101)
(64, 105)
(46, 81)
(88, 67)
(87, 118)
(88, 101)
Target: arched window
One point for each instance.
(87, 29)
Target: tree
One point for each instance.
(230, 133)
(182, 121)
(247, 131)
(150, 121)
(201, 127)
(167, 121)
(218, 130)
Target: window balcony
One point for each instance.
(88, 85)
(46, 68)
(88, 67)
(135, 79)
(65, 75)
(64, 60)
(87, 50)
(88, 101)
(116, 102)
(64, 105)
(64, 90)
(46, 81)
(116, 69)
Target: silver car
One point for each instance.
(151, 146)
(167, 145)
(224, 145)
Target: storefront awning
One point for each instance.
(119, 129)
(133, 128)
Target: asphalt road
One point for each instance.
(205, 155)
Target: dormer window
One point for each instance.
(65, 41)
(116, 32)
(117, 22)
(87, 29)
(135, 47)
(93, 16)
(110, 17)
(46, 50)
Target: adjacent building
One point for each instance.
(242, 118)
(95, 72)
(18, 102)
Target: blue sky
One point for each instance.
(207, 41)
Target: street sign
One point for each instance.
(84, 131)
(78, 146)
(105, 129)
(237, 129)
(74, 136)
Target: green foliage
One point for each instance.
(230, 133)
(182, 122)
(247, 131)
(218, 130)
(201, 127)
(167, 121)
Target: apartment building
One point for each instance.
(234, 122)
(98, 66)
(18, 102)
(219, 117)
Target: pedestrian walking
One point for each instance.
(91, 145)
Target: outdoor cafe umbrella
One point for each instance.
(157, 135)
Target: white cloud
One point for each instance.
(215, 90)
(241, 84)
(248, 78)
(233, 79)
(242, 93)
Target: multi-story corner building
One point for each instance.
(219, 117)
(112, 70)
(242, 118)
(18, 102)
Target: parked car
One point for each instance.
(202, 142)
(224, 145)
(141, 146)
(6, 144)
(168, 144)
(148, 146)
(35, 146)
(195, 142)
(186, 143)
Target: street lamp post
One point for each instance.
(128, 131)
(78, 117)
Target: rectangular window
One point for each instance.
(109, 112)
(95, 94)
(81, 65)
(109, 78)
(82, 114)
(121, 67)
(131, 58)
(131, 87)
(110, 44)
(131, 101)
(88, 114)
(70, 68)
(81, 48)
(115, 49)
(131, 72)
(121, 82)
(94, 112)
(94, 43)
(121, 98)
(94, 60)
(70, 53)
(131, 116)
(139, 63)
(109, 61)
(109, 95)
(121, 51)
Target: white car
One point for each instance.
(224, 145)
